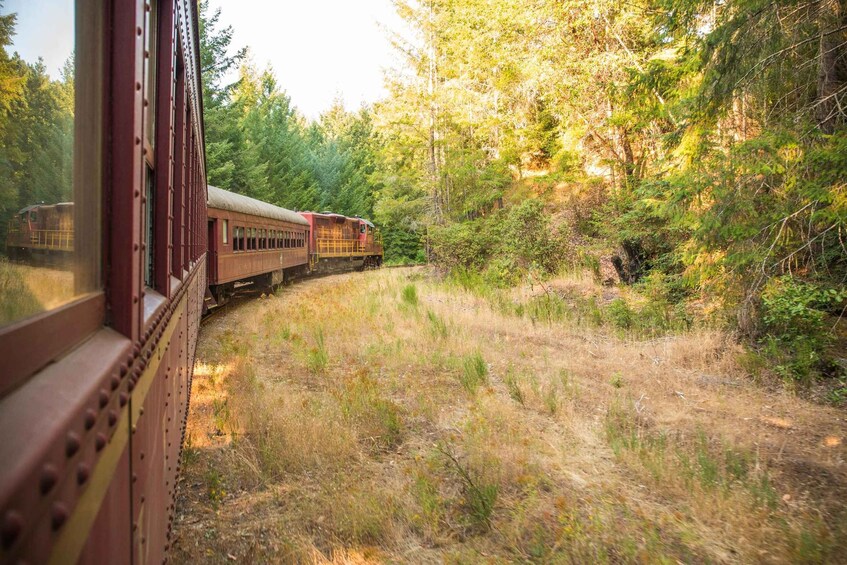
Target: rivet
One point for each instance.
(103, 398)
(131, 385)
(72, 444)
(113, 417)
(134, 477)
(114, 382)
(141, 411)
(123, 398)
(59, 515)
(13, 525)
(83, 471)
(124, 370)
(142, 499)
(99, 441)
(139, 31)
(137, 87)
(90, 419)
(49, 476)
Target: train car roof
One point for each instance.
(226, 200)
(336, 216)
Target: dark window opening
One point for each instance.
(149, 228)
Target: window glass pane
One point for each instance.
(225, 231)
(150, 53)
(149, 206)
(50, 153)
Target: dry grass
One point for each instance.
(27, 290)
(389, 417)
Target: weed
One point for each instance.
(410, 295)
(215, 487)
(428, 498)
(479, 496)
(436, 325)
(838, 395)
(190, 454)
(220, 410)
(620, 314)
(474, 372)
(617, 380)
(376, 418)
(515, 392)
(551, 399)
(317, 357)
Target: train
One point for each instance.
(249, 242)
(254, 242)
(97, 356)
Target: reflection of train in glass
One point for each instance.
(41, 228)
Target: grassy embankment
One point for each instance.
(388, 416)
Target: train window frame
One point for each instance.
(23, 347)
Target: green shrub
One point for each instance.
(620, 314)
(474, 372)
(794, 317)
(410, 295)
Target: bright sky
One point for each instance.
(44, 28)
(319, 49)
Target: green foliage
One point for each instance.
(317, 357)
(504, 246)
(474, 372)
(794, 316)
(437, 326)
(410, 295)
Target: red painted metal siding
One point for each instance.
(90, 442)
(236, 265)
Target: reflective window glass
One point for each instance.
(51, 61)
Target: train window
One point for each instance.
(150, 52)
(238, 239)
(149, 206)
(225, 232)
(51, 138)
(253, 239)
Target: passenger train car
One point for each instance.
(253, 242)
(96, 355)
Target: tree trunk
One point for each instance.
(832, 66)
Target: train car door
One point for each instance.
(212, 253)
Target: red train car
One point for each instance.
(41, 228)
(340, 243)
(251, 241)
(97, 357)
